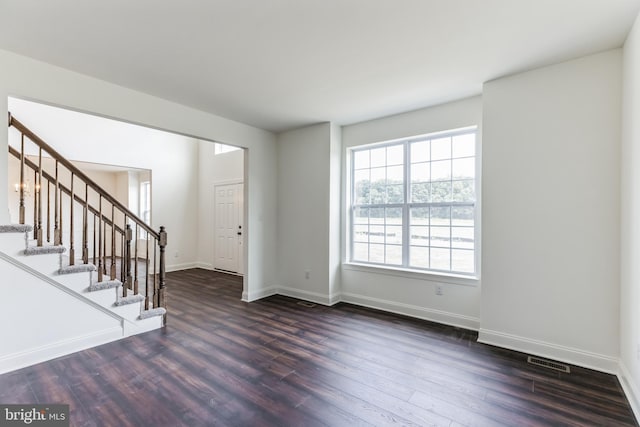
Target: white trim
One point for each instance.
(210, 267)
(430, 276)
(47, 352)
(204, 265)
(439, 316)
(262, 293)
(230, 273)
(178, 267)
(316, 297)
(574, 356)
(335, 298)
(443, 317)
(629, 388)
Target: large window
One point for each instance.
(413, 203)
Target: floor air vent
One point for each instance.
(306, 304)
(550, 364)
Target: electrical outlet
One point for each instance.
(307, 274)
(439, 290)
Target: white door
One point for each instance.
(229, 230)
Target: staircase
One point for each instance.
(118, 271)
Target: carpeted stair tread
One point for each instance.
(15, 228)
(105, 284)
(131, 299)
(41, 250)
(76, 268)
(146, 314)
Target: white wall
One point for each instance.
(213, 169)
(26, 78)
(304, 228)
(551, 197)
(122, 188)
(413, 293)
(226, 167)
(42, 322)
(630, 224)
(133, 192)
(335, 212)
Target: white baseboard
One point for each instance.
(204, 265)
(446, 318)
(630, 389)
(30, 357)
(335, 298)
(259, 294)
(230, 273)
(316, 297)
(438, 316)
(561, 353)
(183, 266)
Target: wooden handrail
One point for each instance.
(66, 190)
(78, 173)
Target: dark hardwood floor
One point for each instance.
(276, 362)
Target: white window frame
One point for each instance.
(405, 267)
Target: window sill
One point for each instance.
(455, 279)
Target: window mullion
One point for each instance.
(450, 206)
(352, 201)
(406, 226)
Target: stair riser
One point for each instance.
(129, 311)
(48, 264)
(78, 282)
(12, 243)
(104, 297)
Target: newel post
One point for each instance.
(163, 244)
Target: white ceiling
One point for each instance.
(280, 64)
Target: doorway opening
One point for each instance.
(165, 178)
